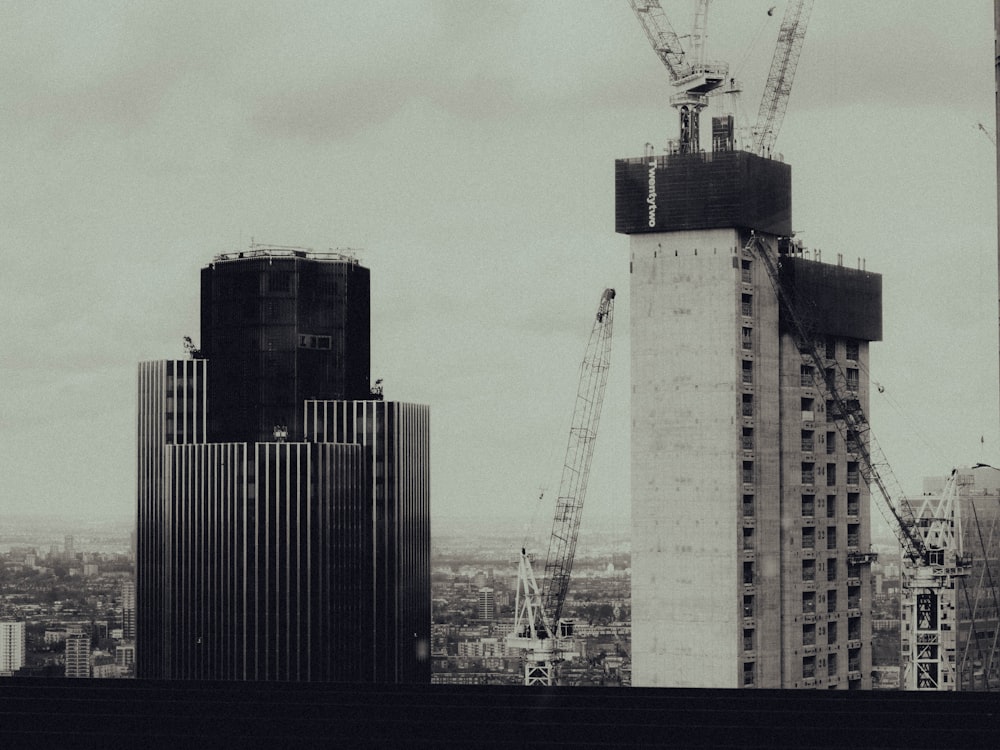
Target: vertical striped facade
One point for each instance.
(172, 410)
(304, 561)
(396, 441)
(205, 521)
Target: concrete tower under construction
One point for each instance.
(750, 518)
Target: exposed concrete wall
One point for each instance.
(686, 483)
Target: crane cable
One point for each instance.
(889, 399)
(738, 68)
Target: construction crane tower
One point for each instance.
(538, 627)
(696, 79)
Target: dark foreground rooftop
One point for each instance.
(59, 713)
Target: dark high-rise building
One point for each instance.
(281, 328)
(283, 516)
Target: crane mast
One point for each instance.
(774, 102)
(929, 537)
(537, 613)
(696, 79)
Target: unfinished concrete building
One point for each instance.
(749, 513)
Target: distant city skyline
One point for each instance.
(468, 151)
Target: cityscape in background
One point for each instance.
(74, 590)
(283, 512)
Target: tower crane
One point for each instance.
(696, 79)
(538, 629)
(689, 73)
(929, 537)
(774, 102)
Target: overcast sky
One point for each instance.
(467, 149)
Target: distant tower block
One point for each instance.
(745, 505)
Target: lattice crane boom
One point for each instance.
(850, 420)
(579, 452)
(662, 37)
(537, 629)
(774, 102)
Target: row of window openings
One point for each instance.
(808, 468)
(828, 347)
(808, 629)
(809, 442)
(807, 377)
(809, 664)
(808, 406)
(808, 438)
(809, 536)
(809, 505)
(809, 472)
(808, 415)
(808, 597)
(810, 567)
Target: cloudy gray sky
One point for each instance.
(467, 148)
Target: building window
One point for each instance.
(853, 503)
(853, 379)
(808, 570)
(747, 372)
(854, 660)
(854, 629)
(831, 665)
(748, 673)
(831, 567)
(831, 633)
(310, 341)
(831, 600)
(808, 602)
(746, 304)
(747, 405)
(746, 439)
(808, 667)
(853, 534)
(832, 412)
(831, 537)
(808, 506)
(853, 350)
(805, 376)
(748, 539)
(808, 415)
(808, 441)
(747, 337)
(808, 472)
(808, 538)
(748, 508)
(831, 442)
(854, 597)
(745, 273)
(852, 442)
(809, 634)
(748, 605)
(748, 472)
(748, 573)
(852, 473)
(831, 474)
(748, 639)
(831, 506)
